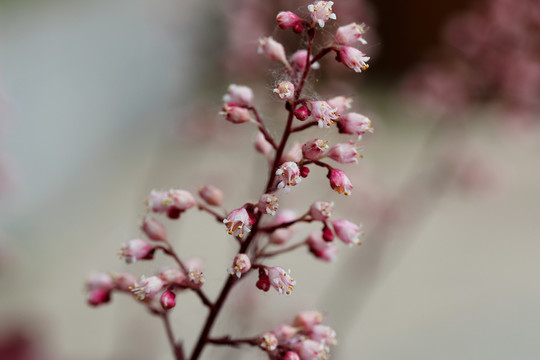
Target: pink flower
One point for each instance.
(262, 145)
(353, 58)
(341, 103)
(272, 50)
(268, 204)
(195, 277)
(136, 249)
(168, 300)
(323, 334)
(268, 342)
(354, 124)
(344, 153)
(211, 195)
(321, 12)
(124, 281)
(99, 281)
(339, 181)
(323, 113)
(241, 265)
(348, 232)
(321, 210)
(311, 350)
(281, 280)
(239, 95)
(294, 154)
(346, 35)
(314, 149)
(239, 222)
(291, 355)
(320, 248)
(284, 90)
(235, 113)
(97, 297)
(147, 287)
(288, 19)
(299, 60)
(173, 276)
(285, 332)
(308, 319)
(282, 235)
(289, 174)
(154, 229)
(174, 202)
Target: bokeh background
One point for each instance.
(102, 101)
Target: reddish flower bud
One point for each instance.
(167, 300)
(264, 281)
(301, 113)
(304, 171)
(327, 233)
(98, 296)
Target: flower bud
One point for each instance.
(98, 296)
(354, 124)
(327, 233)
(323, 334)
(268, 342)
(344, 153)
(285, 332)
(294, 154)
(302, 113)
(262, 145)
(308, 319)
(235, 114)
(288, 19)
(340, 103)
(299, 61)
(320, 248)
(154, 229)
(272, 50)
(211, 195)
(264, 281)
(304, 171)
(168, 300)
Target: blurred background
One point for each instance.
(102, 101)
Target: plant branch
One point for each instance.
(262, 128)
(226, 340)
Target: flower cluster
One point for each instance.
(306, 339)
(260, 229)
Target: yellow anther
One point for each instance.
(240, 235)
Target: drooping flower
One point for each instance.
(173, 276)
(348, 34)
(173, 202)
(285, 332)
(321, 12)
(340, 103)
(321, 210)
(239, 95)
(281, 280)
(136, 249)
(284, 90)
(239, 222)
(353, 58)
(320, 248)
(314, 149)
(99, 286)
(262, 145)
(147, 287)
(344, 153)
(354, 124)
(289, 174)
(302, 113)
(241, 265)
(268, 204)
(348, 232)
(282, 235)
(323, 113)
(294, 153)
(339, 181)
